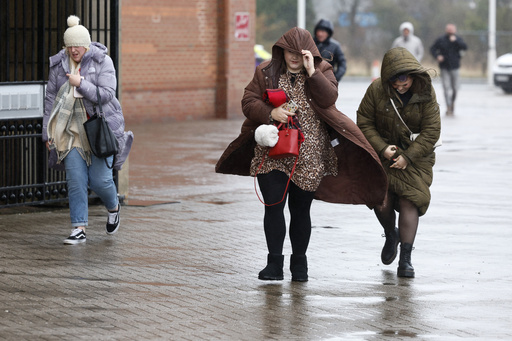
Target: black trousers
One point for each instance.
(272, 187)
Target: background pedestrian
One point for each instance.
(408, 40)
(448, 51)
(329, 48)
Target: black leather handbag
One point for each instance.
(101, 138)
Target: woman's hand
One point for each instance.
(280, 115)
(400, 163)
(308, 61)
(390, 152)
(74, 79)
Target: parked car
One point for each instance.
(502, 72)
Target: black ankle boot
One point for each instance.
(299, 268)
(389, 252)
(405, 268)
(274, 269)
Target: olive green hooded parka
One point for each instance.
(382, 126)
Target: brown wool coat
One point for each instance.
(361, 178)
(382, 127)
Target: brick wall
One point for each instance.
(180, 59)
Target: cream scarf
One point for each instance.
(65, 126)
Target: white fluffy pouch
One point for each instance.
(266, 135)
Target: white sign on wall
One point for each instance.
(242, 25)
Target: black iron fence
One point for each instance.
(30, 32)
(24, 175)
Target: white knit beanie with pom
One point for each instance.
(76, 34)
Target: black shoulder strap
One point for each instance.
(99, 102)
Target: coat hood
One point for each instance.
(295, 40)
(326, 25)
(97, 52)
(407, 25)
(397, 61)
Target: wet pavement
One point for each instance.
(184, 264)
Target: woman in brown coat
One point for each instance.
(404, 92)
(336, 163)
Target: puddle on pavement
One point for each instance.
(353, 336)
(276, 291)
(352, 300)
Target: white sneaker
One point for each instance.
(113, 220)
(77, 236)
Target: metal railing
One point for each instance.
(30, 32)
(24, 175)
(33, 30)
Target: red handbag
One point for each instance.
(288, 145)
(290, 139)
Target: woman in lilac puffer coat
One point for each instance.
(77, 74)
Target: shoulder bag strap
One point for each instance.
(400, 117)
(98, 98)
(287, 184)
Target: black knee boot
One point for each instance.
(388, 253)
(274, 268)
(299, 268)
(405, 268)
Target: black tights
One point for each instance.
(272, 186)
(407, 220)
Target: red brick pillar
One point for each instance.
(221, 96)
(236, 26)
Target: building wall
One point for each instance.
(180, 59)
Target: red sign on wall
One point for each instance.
(242, 26)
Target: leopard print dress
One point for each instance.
(316, 156)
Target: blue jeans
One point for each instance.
(79, 177)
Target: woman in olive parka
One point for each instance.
(406, 85)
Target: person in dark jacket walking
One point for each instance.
(329, 48)
(335, 163)
(448, 50)
(402, 101)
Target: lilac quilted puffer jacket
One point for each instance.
(98, 71)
